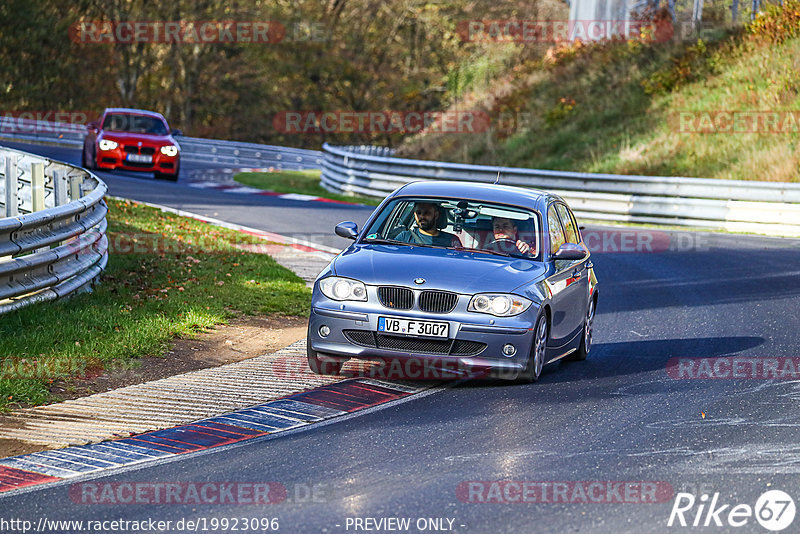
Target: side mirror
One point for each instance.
(570, 251)
(177, 132)
(347, 229)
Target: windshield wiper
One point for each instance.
(386, 241)
(496, 252)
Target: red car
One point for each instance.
(133, 140)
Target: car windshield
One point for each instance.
(124, 122)
(458, 224)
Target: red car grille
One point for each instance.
(133, 149)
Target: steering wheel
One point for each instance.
(508, 245)
(504, 240)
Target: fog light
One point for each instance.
(509, 349)
(324, 331)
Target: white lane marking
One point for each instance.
(296, 196)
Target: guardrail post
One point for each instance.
(75, 187)
(12, 206)
(37, 187)
(60, 188)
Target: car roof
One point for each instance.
(502, 194)
(135, 112)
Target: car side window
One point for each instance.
(556, 231)
(569, 225)
(397, 221)
(575, 223)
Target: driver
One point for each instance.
(427, 230)
(505, 230)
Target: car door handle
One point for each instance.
(576, 274)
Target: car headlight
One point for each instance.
(107, 144)
(499, 304)
(169, 150)
(338, 288)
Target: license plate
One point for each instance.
(412, 327)
(139, 158)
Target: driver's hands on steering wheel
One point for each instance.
(522, 246)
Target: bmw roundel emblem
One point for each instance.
(419, 281)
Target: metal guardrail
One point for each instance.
(212, 151)
(53, 235)
(739, 206)
(238, 154)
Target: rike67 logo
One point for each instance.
(774, 510)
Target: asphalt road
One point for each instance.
(619, 416)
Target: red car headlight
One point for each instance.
(169, 150)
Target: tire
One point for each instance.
(586, 338)
(88, 163)
(323, 367)
(533, 369)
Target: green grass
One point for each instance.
(301, 182)
(193, 279)
(612, 108)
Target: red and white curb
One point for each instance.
(291, 412)
(245, 190)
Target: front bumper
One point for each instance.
(474, 345)
(115, 159)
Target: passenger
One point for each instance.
(428, 230)
(506, 236)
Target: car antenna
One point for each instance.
(497, 180)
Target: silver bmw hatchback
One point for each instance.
(457, 279)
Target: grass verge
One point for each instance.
(167, 277)
(301, 182)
